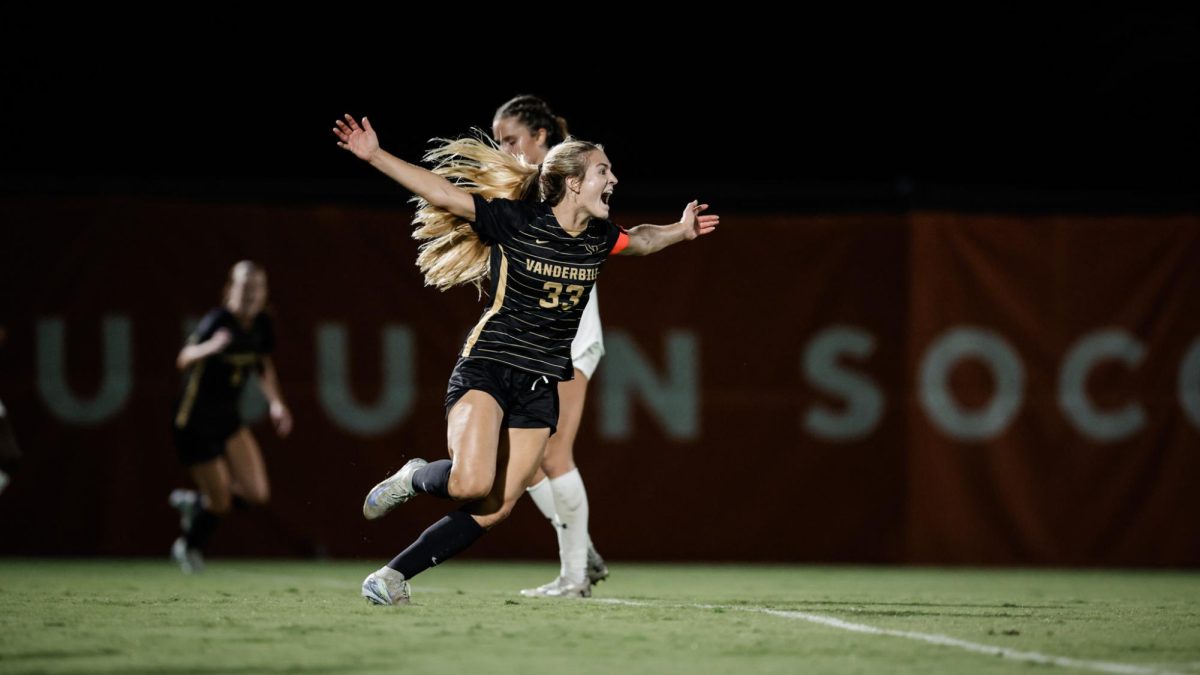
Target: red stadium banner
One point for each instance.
(923, 387)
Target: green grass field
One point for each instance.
(138, 616)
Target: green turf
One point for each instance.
(63, 616)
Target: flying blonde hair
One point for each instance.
(452, 253)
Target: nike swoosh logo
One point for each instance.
(540, 241)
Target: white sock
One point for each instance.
(392, 579)
(390, 575)
(543, 496)
(570, 501)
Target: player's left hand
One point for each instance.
(281, 417)
(696, 225)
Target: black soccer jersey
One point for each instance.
(541, 279)
(208, 404)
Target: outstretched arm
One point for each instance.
(192, 353)
(431, 187)
(647, 239)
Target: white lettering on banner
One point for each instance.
(944, 411)
(673, 398)
(864, 400)
(1189, 383)
(1080, 410)
(333, 380)
(116, 382)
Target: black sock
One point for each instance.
(443, 540)
(434, 478)
(202, 529)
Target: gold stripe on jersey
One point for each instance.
(189, 396)
(501, 283)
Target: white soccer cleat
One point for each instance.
(560, 588)
(392, 491)
(386, 586)
(187, 502)
(597, 570)
(189, 559)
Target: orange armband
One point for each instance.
(622, 242)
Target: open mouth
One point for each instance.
(606, 195)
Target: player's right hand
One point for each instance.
(362, 141)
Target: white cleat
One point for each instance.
(386, 586)
(560, 588)
(392, 491)
(597, 570)
(187, 503)
(189, 559)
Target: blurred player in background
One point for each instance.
(230, 343)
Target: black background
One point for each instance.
(992, 109)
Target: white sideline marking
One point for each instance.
(931, 638)
(832, 622)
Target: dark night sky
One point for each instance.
(1099, 103)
